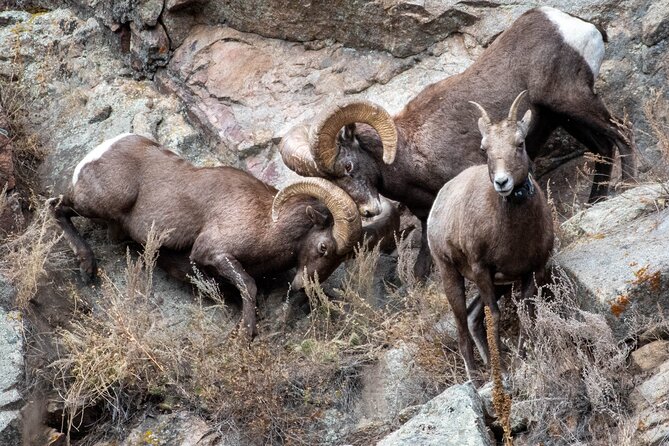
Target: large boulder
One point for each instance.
(619, 258)
(400, 27)
(247, 91)
(454, 418)
(180, 428)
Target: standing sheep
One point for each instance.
(408, 158)
(491, 225)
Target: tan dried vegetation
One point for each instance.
(572, 385)
(276, 388)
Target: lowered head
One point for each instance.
(329, 148)
(333, 230)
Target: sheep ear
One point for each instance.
(524, 124)
(349, 132)
(318, 218)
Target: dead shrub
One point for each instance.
(656, 110)
(116, 356)
(406, 259)
(276, 388)
(500, 399)
(29, 256)
(129, 350)
(573, 383)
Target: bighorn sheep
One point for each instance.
(554, 56)
(491, 224)
(382, 229)
(225, 218)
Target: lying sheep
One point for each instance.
(224, 218)
(491, 225)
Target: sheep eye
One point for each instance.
(348, 166)
(322, 249)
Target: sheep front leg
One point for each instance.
(63, 212)
(454, 287)
(230, 269)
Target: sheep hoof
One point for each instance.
(247, 332)
(88, 271)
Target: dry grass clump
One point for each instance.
(572, 386)
(349, 319)
(425, 321)
(114, 356)
(27, 257)
(129, 351)
(657, 113)
(274, 390)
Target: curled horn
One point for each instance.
(325, 130)
(513, 111)
(295, 150)
(484, 114)
(347, 228)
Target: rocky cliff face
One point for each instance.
(221, 83)
(244, 72)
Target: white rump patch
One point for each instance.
(582, 36)
(96, 153)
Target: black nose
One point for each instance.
(502, 182)
(367, 213)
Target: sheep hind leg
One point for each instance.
(424, 261)
(590, 122)
(528, 289)
(475, 318)
(603, 164)
(475, 314)
(63, 211)
(230, 269)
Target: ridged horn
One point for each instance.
(347, 227)
(513, 111)
(484, 114)
(325, 130)
(295, 150)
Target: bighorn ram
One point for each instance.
(225, 218)
(383, 228)
(552, 55)
(491, 224)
